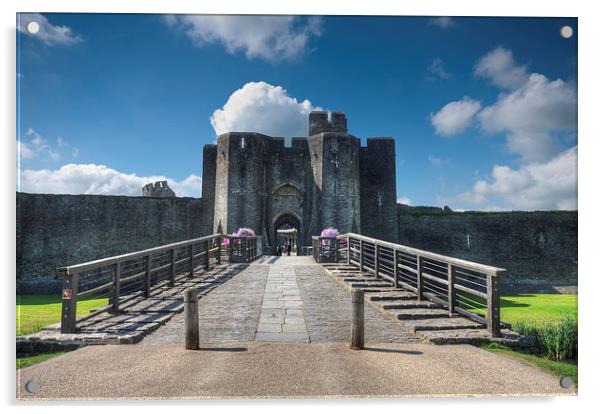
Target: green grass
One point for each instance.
(538, 307)
(531, 307)
(37, 311)
(23, 362)
(566, 368)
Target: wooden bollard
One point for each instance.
(191, 319)
(357, 319)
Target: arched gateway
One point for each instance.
(325, 180)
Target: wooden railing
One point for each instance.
(466, 288)
(128, 276)
(325, 249)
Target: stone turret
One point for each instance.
(158, 189)
(319, 122)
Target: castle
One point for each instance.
(324, 180)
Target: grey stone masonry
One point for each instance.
(281, 318)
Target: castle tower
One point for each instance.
(334, 158)
(239, 182)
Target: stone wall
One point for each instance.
(539, 249)
(58, 230)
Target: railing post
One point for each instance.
(147, 275)
(395, 269)
(220, 240)
(69, 297)
(172, 274)
(361, 255)
(451, 290)
(336, 250)
(376, 254)
(116, 286)
(191, 264)
(207, 248)
(419, 277)
(348, 250)
(493, 303)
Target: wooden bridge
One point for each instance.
(429, 297)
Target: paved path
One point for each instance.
(281, 318)
(280, 299)
(260, 370)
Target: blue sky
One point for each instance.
(483, 110)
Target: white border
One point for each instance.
(589, 31)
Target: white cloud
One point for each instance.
(534, 113)
(443, 22)
(530, 114)
(99, 179)
(404, 200)
(261, 107)
(437, 69)
(48, 33)
(38, 147)
(500, 68)
(455, 117)
(549, 185)
(436, 161)
(270, 38)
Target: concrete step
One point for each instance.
(420, 314)
(457, 336)
(409, 304)
(391, 296)
(438, 324)
(370, 285)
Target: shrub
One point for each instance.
(556, 341)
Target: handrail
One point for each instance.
(463, 287)
(80, 267)
(424, 253)
(140, 270)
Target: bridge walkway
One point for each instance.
(281, 299)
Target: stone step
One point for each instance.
(393, 295)
(420, 313)
(457, 336)
(438, 324)
(370, 285)
(361, 279)
(410, 304)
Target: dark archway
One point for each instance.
(286, 231)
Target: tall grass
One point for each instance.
(553, 340)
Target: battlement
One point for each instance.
(319, 122)
(158, 189)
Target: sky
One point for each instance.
(483, 110)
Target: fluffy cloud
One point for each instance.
(48, 33)
(261, 107)
(443, 22)
(34, 146)
(270, 38)
(455, 117)
(500, 68)
(98, 179)
(437, 70)
(404, 200)
(436, 161)
(549, 185)
(531, 111)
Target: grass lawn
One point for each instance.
(537, 307)
(37, 311)
(533, 307)
(558, 368)
(23, 362)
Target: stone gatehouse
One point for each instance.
(324, 180)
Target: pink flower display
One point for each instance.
(244, 232)
(329, 232)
